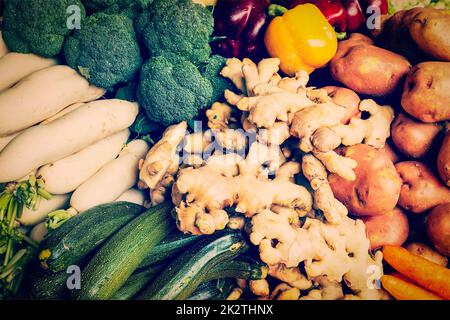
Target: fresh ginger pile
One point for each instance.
(252, 174)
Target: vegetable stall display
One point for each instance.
(254, 149)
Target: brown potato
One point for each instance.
(443, 160)
(430, 31)
(392, 153)
(368, 69)
(426, 95)
(426, 252)
(375, 190)
(395, 35)
(438, 228)
(346, 98)
(391, 228)
(413, 138)
(421, 190)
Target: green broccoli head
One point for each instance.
(105, 50)
(39, 26)
(211, 71)
(178, 26)
(130, 8)
(171, 89)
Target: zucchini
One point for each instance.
(214, 290)
(168, 248)
(83, 233)
(188, 271)
(119, 257)
(240, 268)
(136, 282)
(41, 285)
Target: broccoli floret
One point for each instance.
(171, 89)
(178, 26)
(105, 50)
(211, 71)
(130, 8)
(38, 26)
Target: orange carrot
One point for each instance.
(423, 272)
(400, 276)
(403, 290)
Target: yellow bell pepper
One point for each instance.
(302, 39)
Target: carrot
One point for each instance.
(403, 290)
(427, 274)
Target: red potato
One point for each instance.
(412, 137)
(420, 190)
(391, 228)
(368, 69)
(426, 92)
(443, 160)
(375, 190)
(438, 228)
(346, 98)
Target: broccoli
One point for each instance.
(171, 89)
(178, 26)
(130, 8)
(211, 71)
(38, 26)
(105, 50)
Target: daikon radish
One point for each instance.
(112, 180)
(7, 139)
(67, 174)
(16, 66)
(32, 217)
(39, 232)
(40, 96)
(3, 48)
(132, 195)
(63, 112)
(40, 145)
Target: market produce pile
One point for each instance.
(256, 149)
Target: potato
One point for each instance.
(430, 31)
(443, 160)
(391, 228)
(391, 152)
(420, 190)
(375, 190)
(426, 92)
(346, 98)
(438, 228)
(426, 252)
(413, 138)
(358, 63)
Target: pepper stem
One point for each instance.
(276, 10)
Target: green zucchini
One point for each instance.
(136, 282)
(188, 270)
(41, 285)
(83, 233)
(119, 257)
(239, 268)
(168, 248)
(214, 290)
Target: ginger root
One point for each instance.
(161, 163)
(217, 186)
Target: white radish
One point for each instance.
(63, 112)
(32, 217)
(3, 48)
(112, 180)
(39, 232)
(7, 139)
(16, 66)
(67, 174)
(133, 195)
(40, 96)
(40, 145)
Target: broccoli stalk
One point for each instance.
(105, 50)
(177, 26)
(172, 89)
